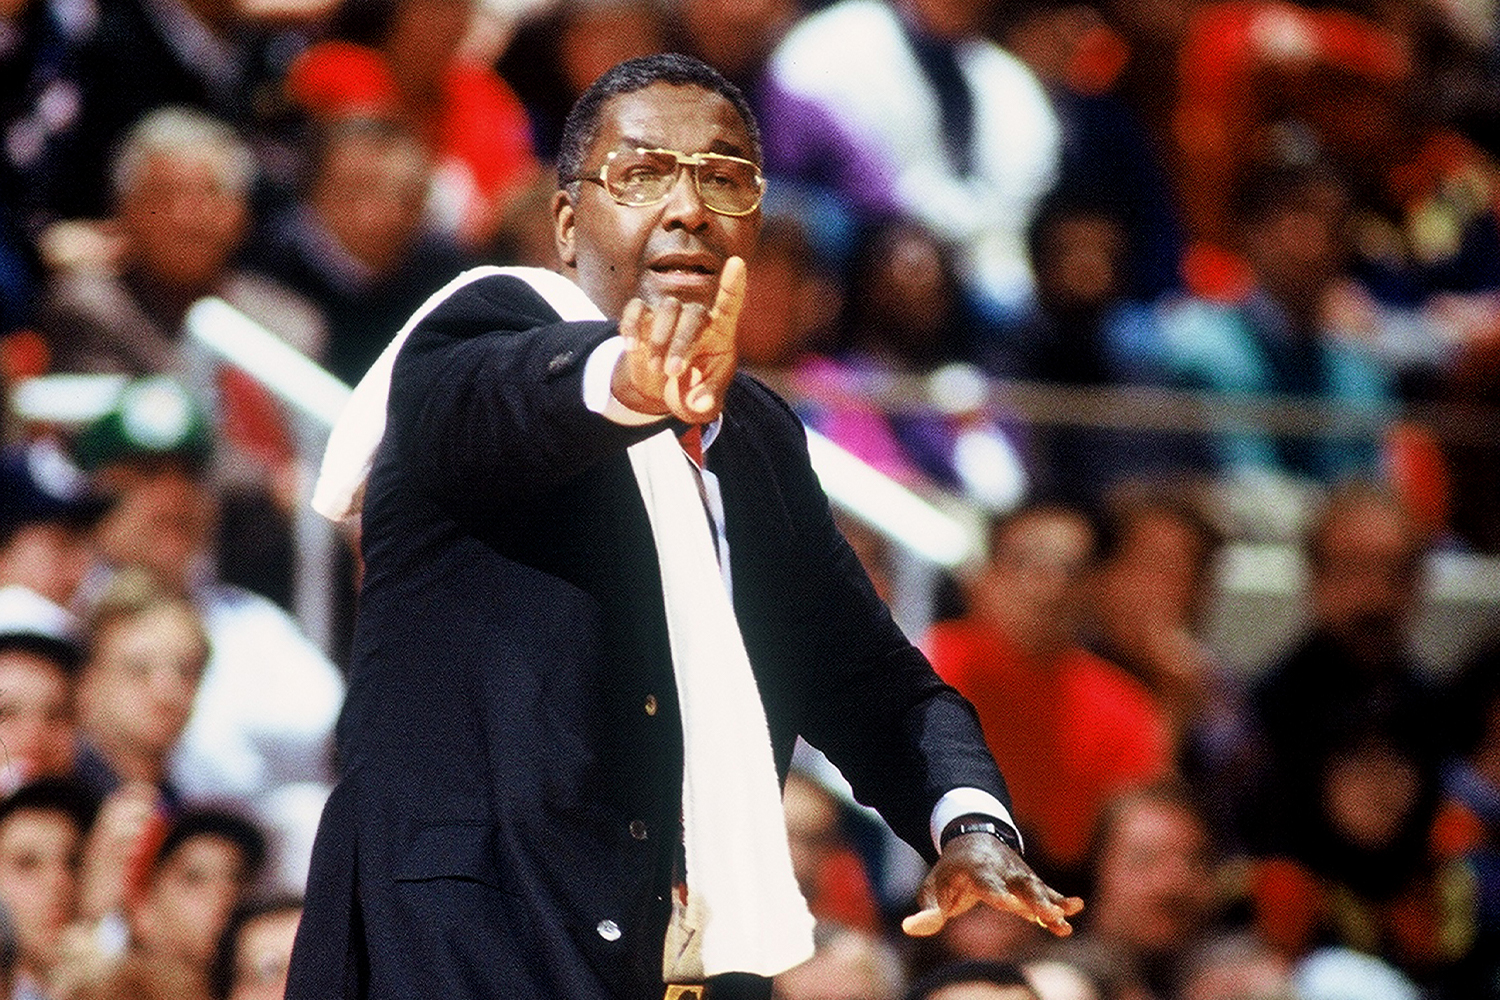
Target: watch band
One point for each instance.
(976, 823)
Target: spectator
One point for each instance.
(46, 514)
(829, 873)
(906, 308)
(1353, 668)
(198, 877)
(39, 105)
(412, 75)
(356, 243)
(1083, 329)
(1235, 966)
(1154, 890)
(906, 314)
(974, 980)
(1361, 873)
(559, 50)
(260, 732)
(1154, 586)
(1274, 341)
(42, 826)
(181, 184)
(1152, 593)
(135, 693)
(847, 965)
(1078, 331)
(142, 55)
(1107, 156)
(256, 949)
(40, 649)
(137, 686)
(968, 138)
(1068, 728)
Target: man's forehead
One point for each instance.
(684, 117)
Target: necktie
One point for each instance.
(692, 446)
(692, 443)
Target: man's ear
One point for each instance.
(563, 229)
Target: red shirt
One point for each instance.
(481, 124)
(1067, 734)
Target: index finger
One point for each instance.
(731, 297)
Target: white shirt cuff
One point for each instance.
(598, 374)
(963, 801)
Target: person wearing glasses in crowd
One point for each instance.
(603, 594)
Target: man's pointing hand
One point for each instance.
(680, 357)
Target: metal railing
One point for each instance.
(929, 532)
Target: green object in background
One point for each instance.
(153, 418)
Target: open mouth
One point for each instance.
(681, 266)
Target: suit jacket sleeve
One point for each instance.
(487, 397)
(860, 691)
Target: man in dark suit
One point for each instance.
(510, 822)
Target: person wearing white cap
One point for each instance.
(41, 647)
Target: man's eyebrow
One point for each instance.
(728, 149)
(723, 146)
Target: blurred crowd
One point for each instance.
(1070, 261)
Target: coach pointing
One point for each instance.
(603, 596)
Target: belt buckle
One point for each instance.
(691, 991)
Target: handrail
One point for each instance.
(1151, 408)
(318, 397)
(290, 375)
(936, 530)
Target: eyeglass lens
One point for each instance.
(642, 177)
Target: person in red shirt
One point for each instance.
(1068, 728)
(473, 123)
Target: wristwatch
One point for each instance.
(980, 823)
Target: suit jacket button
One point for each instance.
(559, 362)
(650, 704)
(608, 930)
(638, 829)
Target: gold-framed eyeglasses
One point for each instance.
(728, 185)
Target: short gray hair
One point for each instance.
(176, 130)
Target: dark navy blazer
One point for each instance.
(511, 745)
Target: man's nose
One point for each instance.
(684, 206)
